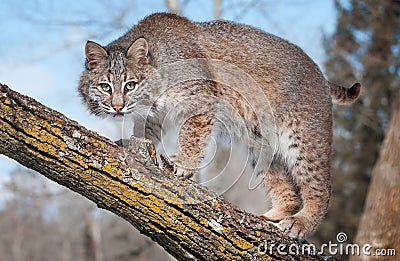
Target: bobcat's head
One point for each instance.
(112, 83)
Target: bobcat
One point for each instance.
(171, 68)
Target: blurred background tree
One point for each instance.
(364, 47)
(41, 220)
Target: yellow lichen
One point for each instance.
(46, 137)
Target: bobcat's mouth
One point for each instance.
(118, 114)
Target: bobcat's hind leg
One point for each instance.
(314, 189)
(308, 164)
(284, 194)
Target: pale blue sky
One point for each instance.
(42, 42)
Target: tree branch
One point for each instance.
(188, 220)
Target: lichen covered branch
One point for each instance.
(188, 220)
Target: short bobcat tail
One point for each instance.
(343, 95)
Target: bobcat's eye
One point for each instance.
(105, 87)
(130, 86)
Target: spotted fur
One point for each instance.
(297, 123)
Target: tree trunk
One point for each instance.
(379, 225)
(92, 236)
(173, 6)
(188, 220)
(217, 9)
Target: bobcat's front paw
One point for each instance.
(296, 226)
(275, 215)
(182, 168)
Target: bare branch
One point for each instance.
(173, 6)
(217, 9)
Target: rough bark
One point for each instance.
(188, 220)
(379, 225)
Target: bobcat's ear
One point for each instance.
(138, 51)
(94, 54)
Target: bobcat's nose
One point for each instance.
(118, 108)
